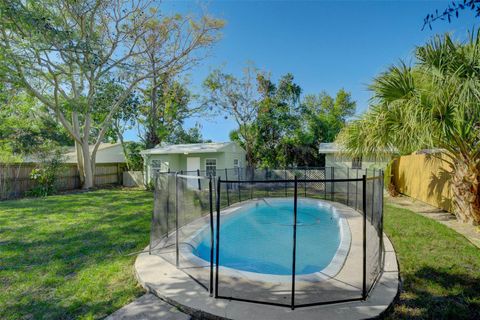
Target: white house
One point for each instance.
(106, 153)
(206, 157)
(336, 157)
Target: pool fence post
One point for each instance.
(168, 199)
(199, 184)
(373, 197)
(294, 255)
(266, 178)
(177, 261)
(155, 197)
(210, 195)
(324, 183)
(356, 191)
(382, 183)
(217, 248)
(364, 207)
(305, 181)
(238, 185)
(226, 188)
(251, 183)
(285, 177)
(348, 185)
(333, 184)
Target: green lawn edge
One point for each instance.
(70, 257)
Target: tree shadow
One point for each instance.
(432, 293)
(66, 256)
(439, 182)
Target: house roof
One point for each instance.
(106, 153)
(188, 148)
(332, 147)
(430, 151)
(329, 147)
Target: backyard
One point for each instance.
(66, 256)
(70, 256)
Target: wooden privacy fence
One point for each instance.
(424, 177)
(15, 179)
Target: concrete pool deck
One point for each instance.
(178, 288)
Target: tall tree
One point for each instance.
(167, 100)
(164, 114)
(325, 116)
(275, 126)
(434, 104)
(279, 116)
(125, 118)
(452, 10)
(60, 50)
(25, 126)
(238, 99)
(191, 135)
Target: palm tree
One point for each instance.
(433, 104)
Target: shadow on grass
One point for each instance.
(65, 257)
(440, 269)
(439, 294)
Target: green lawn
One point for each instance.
(65, 257)
(440, 268)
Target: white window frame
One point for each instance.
(357, 163)
(206, 168)
(157, 165)
(236, 165)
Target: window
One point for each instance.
(236, 163)
(158, 166)
(211, 167)
(357, 163)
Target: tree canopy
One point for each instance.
(276, 126)
(432, 104)
(62, 53)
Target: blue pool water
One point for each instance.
(259, 238)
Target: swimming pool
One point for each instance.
(256, 239)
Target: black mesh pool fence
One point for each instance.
(262, 235)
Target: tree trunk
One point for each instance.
(465, 191)
(78, 147)
(249, 155)
(87, 166)
(125, 151)
(81, 172)
(152, 138)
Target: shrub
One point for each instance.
(388, 179)
(133, 156)
(46, 175)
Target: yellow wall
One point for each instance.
(423, 177)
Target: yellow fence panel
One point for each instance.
(424, 177)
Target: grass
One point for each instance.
(65, 257)
(440, 268)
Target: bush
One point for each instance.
(388, 179)
(45, 176)
(133, 156)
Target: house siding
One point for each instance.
(178, 162)
(339, 161)
(342, 162)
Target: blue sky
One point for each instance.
(326, 45)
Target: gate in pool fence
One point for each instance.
(195, 219)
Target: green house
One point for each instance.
(206, 157)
